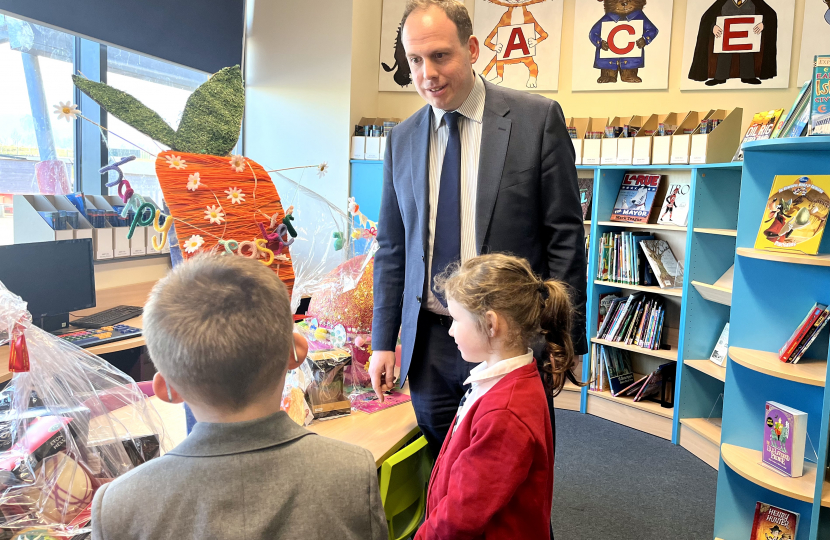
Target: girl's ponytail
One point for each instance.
(555, 322)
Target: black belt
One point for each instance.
(434, 318)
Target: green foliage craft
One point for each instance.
(211, 120)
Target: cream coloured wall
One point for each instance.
(579, 104)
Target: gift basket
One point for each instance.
(69, 423)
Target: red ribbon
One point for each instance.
(18, 351)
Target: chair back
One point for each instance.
(403, 488)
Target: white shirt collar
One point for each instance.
(482, 373)
(472, 108)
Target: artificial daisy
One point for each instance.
(68, 111)
(214, 214)
(235, 195)
(322, 169)
(237, 163)
(193, 182)
(193, 243)
(176, 162)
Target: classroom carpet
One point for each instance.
(614, 482)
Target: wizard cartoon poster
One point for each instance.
(737, 44)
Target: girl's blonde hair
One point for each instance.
(507, 285)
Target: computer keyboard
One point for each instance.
(100, 336)
(108, 317)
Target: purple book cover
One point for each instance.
(368, 401)
(778, 444)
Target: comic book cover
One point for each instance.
(586, 193)
(675, 209)
(763, 123)
(785, 432)
(820, 103)
(636, 197)
(773, 523)
(795, 214)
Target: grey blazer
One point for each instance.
(527, 204)
(264, 479)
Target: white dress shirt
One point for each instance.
(483, 378)
(469, 129)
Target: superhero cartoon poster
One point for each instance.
(795, 214)
(737, 44)
(622, 44)
(520, 42)
(393, 72)
(815, 37)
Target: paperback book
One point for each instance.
(804, 334)
(771, 522)
(795, 122)
(795, 214)
(635, 198)
(785, 434)
(586, 194)
(721, 347)
(621, 259)
(663, 262)
(618, 367)
(675, 209)
(634, 320)
(820, 102)
(762, 126)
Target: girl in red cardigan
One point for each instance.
(494, 476)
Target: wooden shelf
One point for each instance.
(709, 429)
(571, 387)
(721, 232)
(713, 293)
(668, 355)
(650, 226)
(648, 406)
(708, 367)
(778, 256)
(569, 398)
(677, 291)
(812, 372)
(747, 463)
(645, 416)
(586, 222)
(701, 437)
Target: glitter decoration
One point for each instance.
(352, 308)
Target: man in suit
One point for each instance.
(479, 169)
(219, 332)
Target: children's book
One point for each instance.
(635, 198)
(785, 353)
(820, 102)
(586, 194)
(654, 382)
(719, 354)
(618, 367)
(675, 209)
(795, 112)
(795, 214)
(785, 434)
(762, 126)
(668, 271)
(811, 336)
(605, 301)
(772, 522)
(368, 401)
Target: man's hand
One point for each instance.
(382, 371)
(641, 43)
(758, 28)
(604, 45)
(718, 31)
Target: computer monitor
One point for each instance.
(54, 278)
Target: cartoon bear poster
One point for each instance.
(737, 44)
(520, 42)
(621, 44)
(815, 37)
(394, 74)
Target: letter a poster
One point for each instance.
(622, 45)
(737, 44)
(520, 41)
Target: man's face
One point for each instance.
(442, 67)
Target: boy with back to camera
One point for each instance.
(219, 330)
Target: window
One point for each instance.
(161, 86)
(37, 149)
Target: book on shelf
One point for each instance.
(820, 99)
(663, 263)
(621, 259)
(785, 435)
(635, 198)
(804, 334)
(605, 301)
(721, 347)
(618, 368)
(634, 320)
(799, 119)
(771, 522)
(586, 195)
(675, 208)
(761, 127)
(795, 214)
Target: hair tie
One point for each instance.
(543, 290)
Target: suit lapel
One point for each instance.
(419, 152)
(495, 134)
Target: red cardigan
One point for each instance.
(494, 476)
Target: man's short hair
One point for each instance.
(219, 328)
(454, 9)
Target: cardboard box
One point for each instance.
(102, 237)
(581, 126)
(592, 148)
(138, 243)
(61, 202)
(661, 146)
(625, 146)
(29, 225)
(681, 142)
(608, 151)
(722, 143)
(373, 148)
(358, 148)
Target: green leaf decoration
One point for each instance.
(212, 117)
(128, 109)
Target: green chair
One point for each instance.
(403, 488)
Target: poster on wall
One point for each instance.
(622, 44)
(394, 74)
(737, 44)
(815, 37)
(520, 42)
